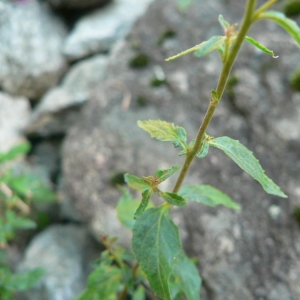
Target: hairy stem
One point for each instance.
(246, 24)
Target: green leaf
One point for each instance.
(139, 293)
(103, 284)
(187, 277)
(165, 131)
(135, 182)
(223, 22)
(290, 26)
(19, 222)
(214, 43)
(24, 281)
(259, 46)
(173, 199)
(204, 150)
(146, 194)
(246, 161)
(207, 195)
(126, 208)
(156, 244)
(184, 4)
(15, 152)
(30, 186)
(163, 175)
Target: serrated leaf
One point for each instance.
(187, 277)
(207, 195)
(173, 199)
(156, 244)
(245, 159)
(15, 152)
(146, 194)
(135, 182)
(204, 150)
(165, 131)
(126, 208)
(103, 284)
(223, 22)
(163, 175)
(259, 45)
(214, 43)
(290, 26)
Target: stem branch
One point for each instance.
(246, 24)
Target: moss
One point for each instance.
(169, 33)
(141, 101)
(139, 61)
(231, 83)
(117, 179)
(291, 7)
(295, 80)
(155, 82)
(297, 214)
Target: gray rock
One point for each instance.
(242, 255)
(14, 116)
(76, 4)
(59, 107)
(64, 251)
(31, 61)
(98, 31)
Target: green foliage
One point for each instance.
(165, 131)
(139, 61)
(259, 46)
(156, 245)
(295, 80)
(17, 192)
(291, 7)
(208, 195)
(290, 26)
(246, 161)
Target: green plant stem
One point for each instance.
(263, 8)
(246, 24)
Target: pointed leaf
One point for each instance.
(156, 244)
(165, 131)
(207, 195)
(144, 203)
(289, 25)
(204, 150)
(187, 277)
(214, 43)
(259, 46)
(223, 22)
(126, 208)
(163, 175)
(173, 199)
(246, 161)
(135, 182)
(15, 152)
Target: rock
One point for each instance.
(76, 4)
(64, 251)
(14, 116)
(98, 31)
(59, 107)
(250, 254)
(31, 62)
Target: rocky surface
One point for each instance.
(31, 40)
(59, 107)
(98, 31)
(252, 254)
(65, 252)
(14, 116)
